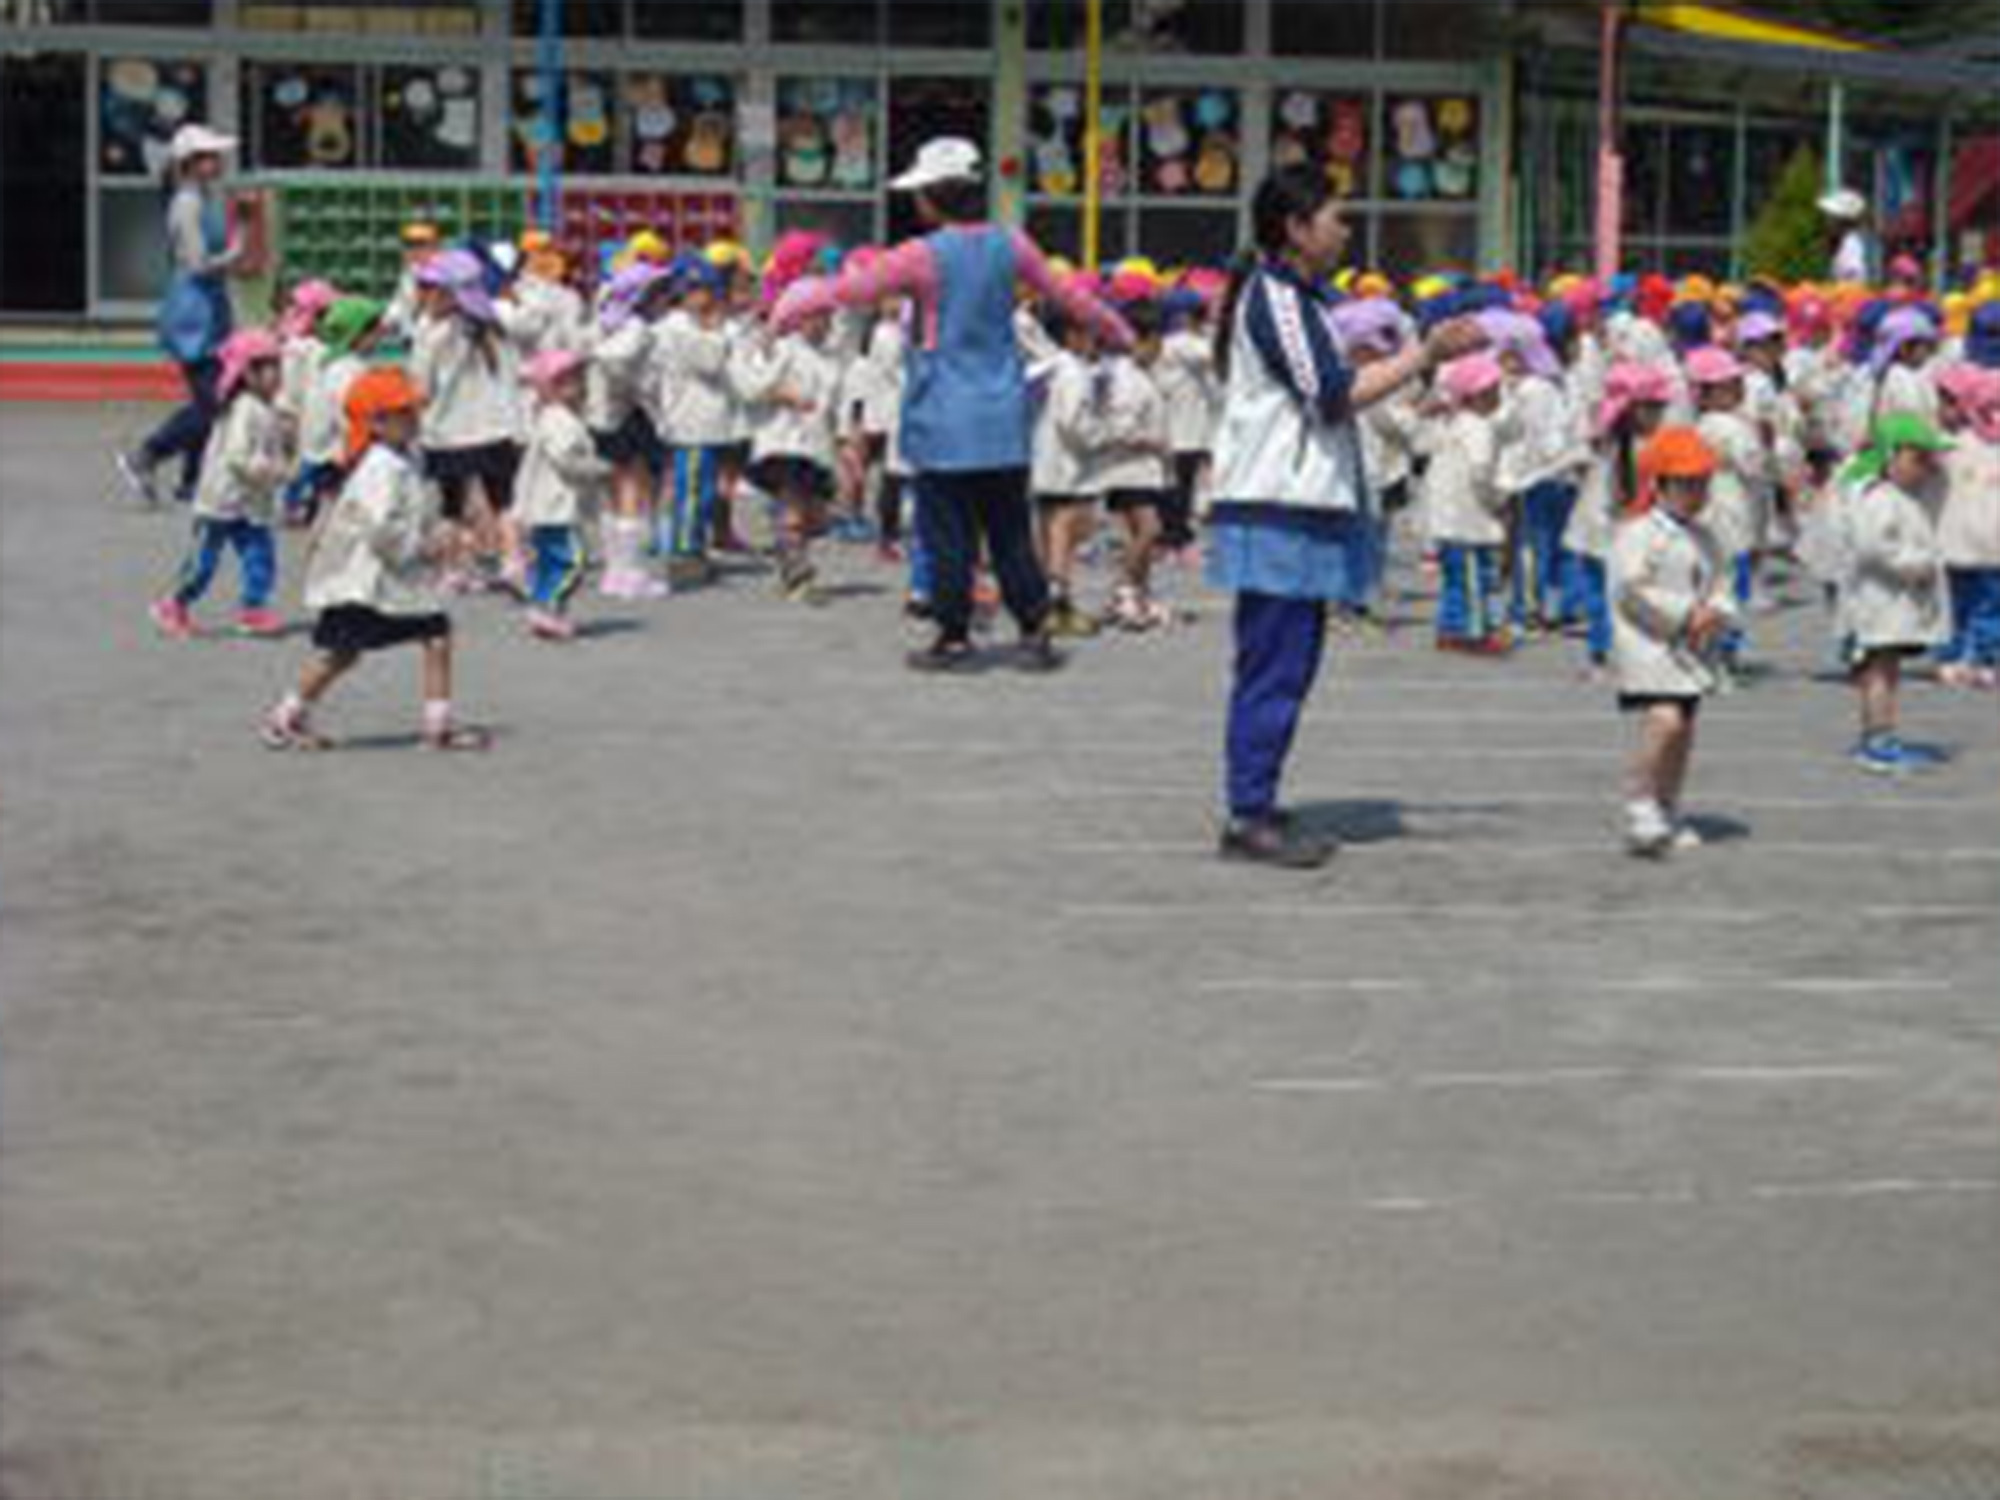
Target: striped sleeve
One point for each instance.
(1292, 338)
(1078, 305)
(910, 268)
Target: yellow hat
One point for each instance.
(1957, 314)
(1697, 289)
(1987, 288)
(646, 245)
(1373, 284)
(728, 255)
(1344, 280)
(1138, 265)
(1430, 287)
(418, 232)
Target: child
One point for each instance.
(1892, 606)
(1905, 345)
(1064, 469)
(553, 313)
(235, 503)
(370, 575)
(1634, 408)
(1969, 526)
(1670, 603)
(1541, 453)
(350, 331)
(1371, 330)
(420, 243)
(1186, 375)
(298, 331)
(560, 476)
(1738, 514)
(1134, 451)
(1467, 511)
(880, 414)
(795, 383)
(697, 409)
(470, 373)
(616, 407)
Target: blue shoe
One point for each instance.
(1923, 757)
(1881, 758)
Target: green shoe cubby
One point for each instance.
(352, 233)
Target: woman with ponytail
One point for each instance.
(1291, 518)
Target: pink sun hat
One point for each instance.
(1629, 384)
(550, 368)
(1713, 366)
(309, 300)
(1471, 377)
(240, 351)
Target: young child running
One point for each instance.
(235, 503)
(1134, 453)
(370, 577)
(1892, 607)
(300, 332)
(560, 479)
(794, 382)
(617, 401)
(698, 412)
(1969, 526)
(1634, 408)
(1467, 511)
(1671, 604)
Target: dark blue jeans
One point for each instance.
(955, 512)
(186, 431)
(256, 551)
(1279, 646)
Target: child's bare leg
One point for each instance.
(1142, 526)
(321, 673)
(1652, 757)
(437, 671)
(1676, 752)
(1879, 681)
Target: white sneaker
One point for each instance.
(1686, 838)
(1648, 834)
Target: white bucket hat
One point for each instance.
(950, 158)
(1844, 203)
(199, 140)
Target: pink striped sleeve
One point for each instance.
(1076, 303)
(910, 268)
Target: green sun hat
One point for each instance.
(1898, 430)
(344, 324)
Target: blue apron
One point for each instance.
(194, 314)
(965, 403)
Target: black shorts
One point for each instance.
(353, 629)
(786, 475)
(735, 456)
(633, 441)
(454, 469)
(1120, 501)
(1638, 703)
(1063, 502)
(1396, 498)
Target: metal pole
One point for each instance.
(1836, 137)
(549, 60)
(1093, 99)
(1739, 190)
(1941, 247)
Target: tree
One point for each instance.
(1787, 240)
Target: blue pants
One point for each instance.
(923, 572)
(256, 553)
(1469, 581)
(1743, 584)
(556, 570)
(1975, 617)
(691, 516)
(1540, 572)
(313, 480)
(186, 431)
(1593, 592)
(1279, 646)
(955, 511)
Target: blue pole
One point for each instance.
(549, 59)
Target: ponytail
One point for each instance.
(1287, 194)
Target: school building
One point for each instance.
(1462, 132)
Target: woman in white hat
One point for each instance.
(194, 319)
(1854, 254)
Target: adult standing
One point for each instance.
(1854, 255)
(195, 318)
(965, 413)
(1291, 527)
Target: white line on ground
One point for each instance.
(1420, 800)
(1758, 1075)
(1885, 1187)
(1486, 849)
(1304, 986)
(1901, 1188)
(1442, 911)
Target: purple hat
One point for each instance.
(460, 273)
(626, 291)
(1516, 333)
(1904, 326)
(1756, 327)
(1370, 323)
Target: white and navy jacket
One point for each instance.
(1287, 435)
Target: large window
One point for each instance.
(140, 104)
(579, 125)
(649, 20)
(333, 117)
(1142, 27)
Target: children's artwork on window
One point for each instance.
(680, 125)
(826, 133)
(430, 117)
(1325, 131)
(1189, 143)
(580, 130)
(1433, 149)
(140, 106)
(1056, 142)
(307, 115)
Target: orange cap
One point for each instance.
(1673, 453)
(373, 394)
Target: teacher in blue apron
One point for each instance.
(194, 318)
